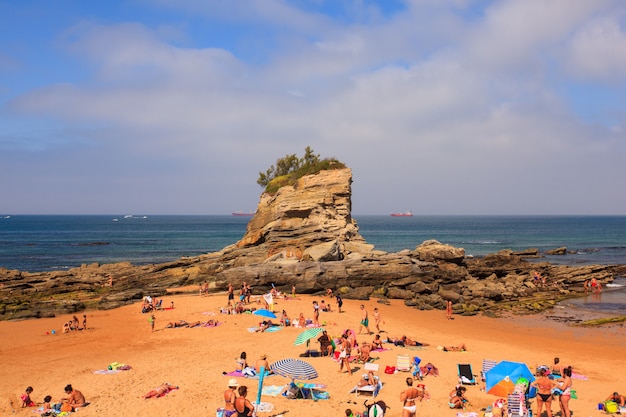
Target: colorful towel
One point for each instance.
(106, 371)
(272, 390)
(380, 349)
(270, 329)
(576, 375)
(237, 374)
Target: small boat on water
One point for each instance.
(405, 214)
(242, 214)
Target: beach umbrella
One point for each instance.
(307, 334)
(501, 379)
(294, 369)
(265, 313)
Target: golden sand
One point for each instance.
(195, 358)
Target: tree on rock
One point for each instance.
(289, 168)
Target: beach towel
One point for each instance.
(237, 374)
(272, 390)
(106, 371)
(576, 375)
(211, 325)
(264, 407)
(270, 329)
(380, 349)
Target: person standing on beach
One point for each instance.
(316, 314)
(344, 354)
(449, 310)
(377, 319)
(565, 384)
(152, 319)
(364, 320)
(84, 322)
(339, 302)
(231, 295)
(408, 398)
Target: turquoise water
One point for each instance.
(42, 243)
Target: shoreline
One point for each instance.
(195, 358)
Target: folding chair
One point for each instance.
(466, 376)
(487, 365)
(403, 363)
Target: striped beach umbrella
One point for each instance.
(307, 334)
(294, 369)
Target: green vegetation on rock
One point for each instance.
(290, 168)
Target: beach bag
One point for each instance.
(219, 412)
(376, 409)
(610, 407)
(66, 407)
(249, 371)
(390, 369)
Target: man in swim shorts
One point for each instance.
(364, 320)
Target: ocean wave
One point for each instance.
(615, 285)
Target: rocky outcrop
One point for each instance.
(305, 235)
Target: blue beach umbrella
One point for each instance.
(265, 313)
(501, 378)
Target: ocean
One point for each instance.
(46, 243)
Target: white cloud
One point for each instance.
(598, 50)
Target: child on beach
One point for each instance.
(152, 320)
(26, 401)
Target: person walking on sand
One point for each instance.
(316, 314)
(449, 310)
(408, 398)
(152, 319)
(364, 320)
(377, 319)
(344, 354)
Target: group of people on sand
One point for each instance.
(73, 400)
(235, 401)
(74, 325)
(549, 384)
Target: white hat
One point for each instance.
(233, 383)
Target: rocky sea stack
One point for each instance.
(305, 235)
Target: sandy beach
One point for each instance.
(196, 358)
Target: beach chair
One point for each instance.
(487, 365)
(372, 390)
(466, 376)
(403, 363)
(517, 405)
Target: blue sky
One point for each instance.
(175, 106)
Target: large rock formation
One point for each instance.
(305, 235)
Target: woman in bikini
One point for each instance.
(408, 398)
(243, 406)
(565, 384)
(229, 398)
(544, 387)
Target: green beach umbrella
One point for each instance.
(307, 334)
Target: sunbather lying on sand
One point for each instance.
(179, 323)
(405, 341)
(160, 391)
(367, 379)
(460, 348)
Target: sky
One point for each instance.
(459, 107)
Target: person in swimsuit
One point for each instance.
(316, 314)
(565, 384)
(460, 348)
(377, 343)
(557, 370)
(339, 302)
(76, 398)
(243, 406)
(457, 398)
(344, 355)
(26, 401)
(231, 295)
(544, 387)
(364, 320)
(160, 391)
(242, 362)
(229, 398)
(408, 398)
(619, 399)
(377, 319)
